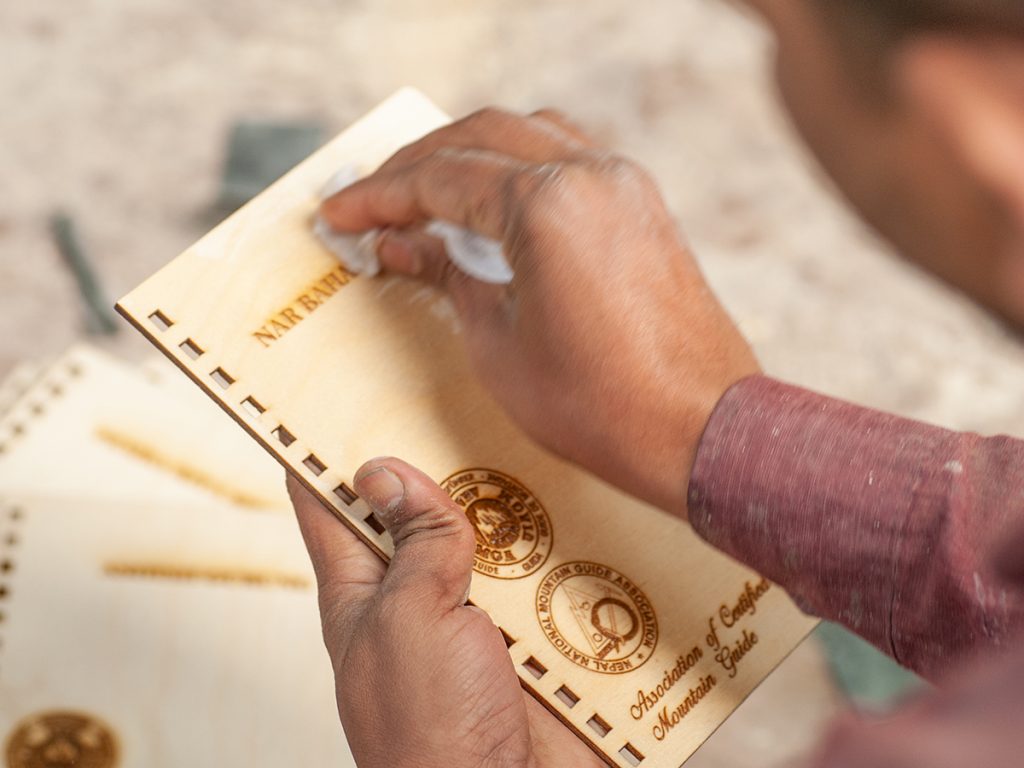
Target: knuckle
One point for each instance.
(553, 115)
(485, 117)
(616, 170)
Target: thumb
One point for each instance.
(434, 542)
(415, 253)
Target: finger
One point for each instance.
(537, 138)
(342, 563)
(465, 187)
(414, 253)
(434, 541)
(566, 125)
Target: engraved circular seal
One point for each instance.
(513, 532)
(61, 740)
(596, 617)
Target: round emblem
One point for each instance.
(61, 740)
(513, 532)
(596, 617)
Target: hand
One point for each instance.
(422, 679)
(608, 346)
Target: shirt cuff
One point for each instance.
(817, 494)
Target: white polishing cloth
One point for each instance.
(477, 256)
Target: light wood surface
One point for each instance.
(346, 368)
(91, 426)
(191, 631)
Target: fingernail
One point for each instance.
(399, 253)
(383, 491)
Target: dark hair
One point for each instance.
(894, 19)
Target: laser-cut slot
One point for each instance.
(74, 369)
(253, 408)
(6, 566)
(3, 591)
(567, 697)
(11, 540)
(372, 521)
(314, 465)
(509, 640)
(15, 514)
(631, 754)
(535, 668)
(160, 321)
(220, 376)
(191, 349)
(37, 409)
(283, 436)
(599, 726)
(346, 494)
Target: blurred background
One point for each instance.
(121, 116)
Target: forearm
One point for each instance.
(878, 522)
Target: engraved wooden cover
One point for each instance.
(636, 634)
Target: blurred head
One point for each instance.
(916, 109)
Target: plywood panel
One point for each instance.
(655, 634)
(93, 427)
(189, 632)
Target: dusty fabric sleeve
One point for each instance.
(878, 522)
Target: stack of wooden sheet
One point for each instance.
(158, 608)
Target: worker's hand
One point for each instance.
(608, 347)
(422, 679)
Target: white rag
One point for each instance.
(477, 256)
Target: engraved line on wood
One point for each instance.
(153, 456)
(220, 574)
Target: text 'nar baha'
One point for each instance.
(305, 304)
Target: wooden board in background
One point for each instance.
(637, 635)
(190, 633)
(93, 427)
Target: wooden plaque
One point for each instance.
(637, 635)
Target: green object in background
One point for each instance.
(101, 318)
(871, 680)
(260, 152)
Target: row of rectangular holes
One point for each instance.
(252, 406)
(17, 428)
(629, 753)
(192, 350)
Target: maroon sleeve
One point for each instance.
(878, 522)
